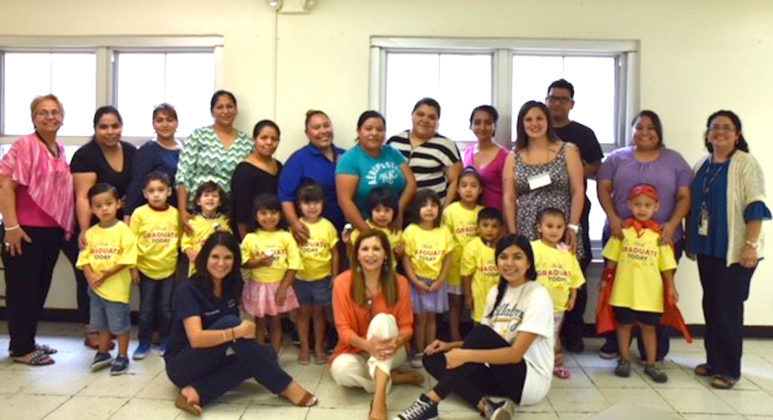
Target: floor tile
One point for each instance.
(696, 401)
(748, 402)
(577, 400)
(640, 397)
(124, 386)
(87, 408)
(147, 410)
(606, 378)
(61, 382)
(28, 407)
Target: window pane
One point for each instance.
(597, 217)
(459, 82)
(594, 84)
(144, 80)
(70, 76)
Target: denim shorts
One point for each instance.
(107, 315)
(315, 292)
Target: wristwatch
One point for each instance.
(575, 228)
(753, 244)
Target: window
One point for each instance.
(133, 73)
(459, 82)
(143, 80)
(71, 76)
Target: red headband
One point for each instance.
(644, 189)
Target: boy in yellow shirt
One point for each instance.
(157, 227)
(106, 259)
(559, 271)
(211, 208)
(478, 265)
(642, 265)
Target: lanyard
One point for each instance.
(709, 179)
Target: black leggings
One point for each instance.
(472, 381)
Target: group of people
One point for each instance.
(387, 238)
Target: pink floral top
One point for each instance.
(44, 192)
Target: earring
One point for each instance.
(358, 268)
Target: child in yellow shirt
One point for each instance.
(272, 259)
(313, 284)
(641, 265)
(428, 248)
(106, 259)
(383, 209)
(157, 227)
(211, 209)
(461, 217)
(559, 271)
(479, 267)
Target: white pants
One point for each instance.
(359, 369)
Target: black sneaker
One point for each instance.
(609, 350)
(101, 360)
(654, 372)
(421, 409)
(623, 368)
(502, 410)
(120, 366)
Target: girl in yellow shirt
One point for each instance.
(383, 209)
(272, 259)
(211, 208)
(461, 218)
(428, 247)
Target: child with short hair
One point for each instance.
(272, 259)
(641, 265)
(313, 284)
(427, 259)
(383, 207)
(157, 228)
(479, 267)
(106, 259)
(558, 269)
(461, 217)
(211, 214)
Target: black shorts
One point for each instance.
(630, 316)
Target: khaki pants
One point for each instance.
(359, 369)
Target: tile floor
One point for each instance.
(68, 390)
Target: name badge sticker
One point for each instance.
(538, 181)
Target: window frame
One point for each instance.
(106, 48)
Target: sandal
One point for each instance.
(304, 358)
(320, 358)
(308, 400)
(183, 404)
(703, 369)
(46, 349)
(561, 372)
(34, 358)
(723, 382)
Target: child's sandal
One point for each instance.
(561, 372)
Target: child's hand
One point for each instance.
(436, 285)
(469, 302)
(423, 288)
(673, 295)
(262, 260)
(570, 303)
(346, 236)
(135, 276)
(399, 250)
(281, 295)
(97, 281)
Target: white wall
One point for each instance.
(697, 56)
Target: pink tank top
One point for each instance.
(490, 174)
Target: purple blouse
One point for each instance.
(667, 173)
(490, 174)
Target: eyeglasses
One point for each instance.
(728, 128)
(45, 114)
(563, 100)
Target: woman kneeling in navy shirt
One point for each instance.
(207, 324)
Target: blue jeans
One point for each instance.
(213, 373)
(155, 307)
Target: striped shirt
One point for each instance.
(428, 161)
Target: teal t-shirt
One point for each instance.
(374, 172)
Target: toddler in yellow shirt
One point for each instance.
(211, 209)
(158, 228)
(106, 259)
(313, 284)
(558, 269)
(384, 208)
(478, 267)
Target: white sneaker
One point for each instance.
(416, 361)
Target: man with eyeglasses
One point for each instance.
(560, 101)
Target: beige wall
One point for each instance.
(696, 56)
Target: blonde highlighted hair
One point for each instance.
(38, 99)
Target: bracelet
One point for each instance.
(233, 334)
(575, 228)
(10, 228)
(753, 244)
(225, 337)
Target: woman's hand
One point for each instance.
(571, 240)
(245, 330)
(748, 256)
(667, 233)
(281, 295)
(437, 346)
(455, 358)
(616, 226)
(82, 242)
(300, 232)
(382, 348)
(13, 240)
(186, 217)
(672, 295)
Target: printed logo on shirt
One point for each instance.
(105, 253)
(557, 276)
(640, 255)
(506, 319)
(160, 237)
(383, 173)
(469, 231)
(314, 246)
(489, 270)
(428, 254)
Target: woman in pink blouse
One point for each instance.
(487, 157)
(36, 201)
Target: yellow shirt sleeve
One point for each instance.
(294, 261)
(467, 266)
(612, 249)
(128, 248)
(578, 278)
(666, 260)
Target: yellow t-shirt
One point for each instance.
(106, 248)
(284, 249)
(394, 238)
(479, 262)
(158, 238)
(202, 228)
(463, 224)
(317, 252)
(640, 260)
(559, 271)
(427, 248)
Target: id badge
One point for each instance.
(539, 181)
(703, 222)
